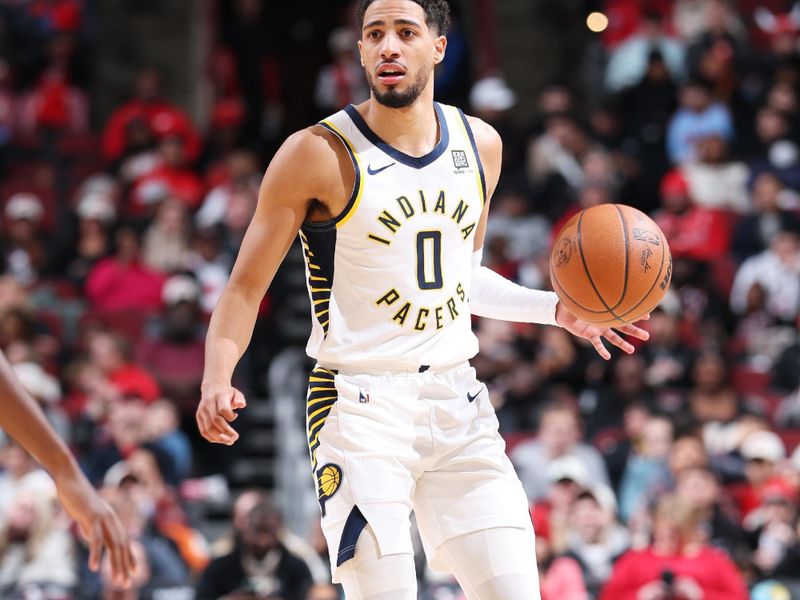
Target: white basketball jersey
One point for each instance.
(389, 278)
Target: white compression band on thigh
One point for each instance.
(494, 296)
(368, 576)
(495, 564)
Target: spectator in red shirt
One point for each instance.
(762, 452)
(169, 177)
(692, 231)
(677, 565)
(148, 104)
(121, 282)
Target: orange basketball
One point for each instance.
(610, 265)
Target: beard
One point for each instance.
(392, 98)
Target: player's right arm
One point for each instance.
(307, 167)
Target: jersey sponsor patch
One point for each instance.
(460, 159)
(329, 480)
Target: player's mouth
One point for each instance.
(391, 73)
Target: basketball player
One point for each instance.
(390, 199)
(23, 420)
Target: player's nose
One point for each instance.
(390, 46)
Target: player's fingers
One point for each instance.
(634, 331)
(227, 433)
(224, 403)
(210, 430)
(597, 342)
(615, 339)
(94, 537)
(239, 399)
(113, 539)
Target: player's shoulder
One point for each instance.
(486, 137)
(315, 146)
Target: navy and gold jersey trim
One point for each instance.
(482, 176)
(322, 395)
(358, 186)
(406, 159)
(318, 249)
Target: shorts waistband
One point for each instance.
(409, 369)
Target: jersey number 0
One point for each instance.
(429, 248)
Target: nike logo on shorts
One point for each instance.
(372, 171)
(470, 398)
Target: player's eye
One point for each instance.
(407, 33)
(374, 34)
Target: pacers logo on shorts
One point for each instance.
(329, 479)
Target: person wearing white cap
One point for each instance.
(763, 452)
(594, 536)
(23, 248)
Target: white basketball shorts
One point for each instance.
(383, 445)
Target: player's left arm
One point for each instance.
(494, 296)
(23, 420)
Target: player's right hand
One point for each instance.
(217, 410)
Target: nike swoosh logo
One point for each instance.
(372, 171)
(471, 398)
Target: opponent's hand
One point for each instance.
(595, 333)
(99, 526)
(217, 410)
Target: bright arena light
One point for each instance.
(597, 22)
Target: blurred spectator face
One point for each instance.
(695, 97)
(172, 151)
(771, 125)
(242, 165)
(127, 245)
(556, 99)
(559, 431)
(663, 328)
(712, 149)
(709, 372)
(674, 524)
(657, 71)
(261, 534)
(244, 505)
(588, 519)
(16, 462)
(698, 488)
(758, 470)
(512, 204)
(29, 516)
(138, 135)
(207, 243)
(628, 374)
(634, 419)
(125, 423)
(12, 293)
(756, 298)
(160, 419)
(785, 246)
(766, 190)
(717, 17)
(687, 452)
(323, 591)
(652, 26)
(106, 351)
(148, 85)
(598, 165)
(594, 194)
(172, 216)
(782, 98)
(656, 438)
(779, 507)
(241, 208)
(15, 326)
(567, 133)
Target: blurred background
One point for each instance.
(133, 135)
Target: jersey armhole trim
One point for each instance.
(481, 175)
(358, 186)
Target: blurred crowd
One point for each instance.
(671, 473)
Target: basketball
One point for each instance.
(610, 265)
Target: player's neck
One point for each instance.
(413, 130)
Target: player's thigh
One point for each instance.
(373, 576)
(494, 564)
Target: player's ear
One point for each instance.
(439, 46)
(361, 52)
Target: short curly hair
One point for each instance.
(437, 13)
